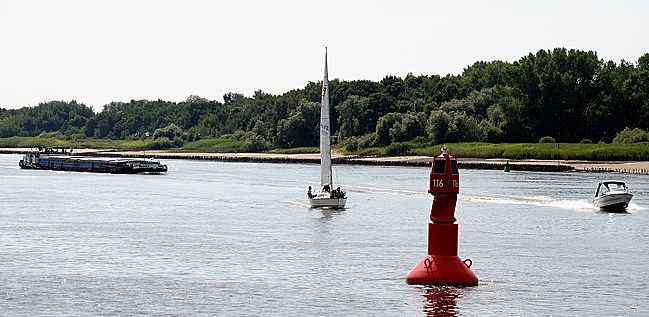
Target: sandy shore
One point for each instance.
(636, 167)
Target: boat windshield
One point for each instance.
(617, 187)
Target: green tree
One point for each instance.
(559, 86)
(383, 127)
(349, 117)
(437, 126)
(301, 128)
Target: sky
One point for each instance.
(97, 51)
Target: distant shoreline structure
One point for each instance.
(402, 161)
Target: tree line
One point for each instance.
(565, 95)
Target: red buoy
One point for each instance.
(442, 266)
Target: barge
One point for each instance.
(52, 159)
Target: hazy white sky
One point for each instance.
(97, 51)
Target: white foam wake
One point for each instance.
(541, 201)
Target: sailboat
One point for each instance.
(328, 196)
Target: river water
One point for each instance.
(238, 239)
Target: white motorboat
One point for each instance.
(328, 196)
(612, 195)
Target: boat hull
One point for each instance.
(323, 202)
(613, 201)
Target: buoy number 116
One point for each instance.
(439, 183)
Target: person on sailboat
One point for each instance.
(309, 193)
(337, 193)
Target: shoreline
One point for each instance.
(630, 167)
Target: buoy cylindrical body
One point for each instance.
(443, 209)
(442, 266)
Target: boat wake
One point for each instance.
(583, 205)
(297, 204)
(386, 191)
(541, 201)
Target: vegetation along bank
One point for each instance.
(552, 104)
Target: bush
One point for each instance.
(359, 143)
(172, 134)
(631, 136)
(161, 143)
(547, 139)
(76, 137)
(256, 143)
(51, 135)
(350, 144)
(401, 148)
(367, 141)
(239, 135)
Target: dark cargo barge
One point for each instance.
(49, 159)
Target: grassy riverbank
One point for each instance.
(546, 151)
(520, 151)
(536, 151)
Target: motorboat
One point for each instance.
(328, 196)
(612, 195)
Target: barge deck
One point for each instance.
(49, 159)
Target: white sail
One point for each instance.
(325, 137)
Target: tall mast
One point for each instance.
(325, 137)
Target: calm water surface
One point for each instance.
(238, 239)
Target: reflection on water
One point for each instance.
(440, 300)
(329, 213)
